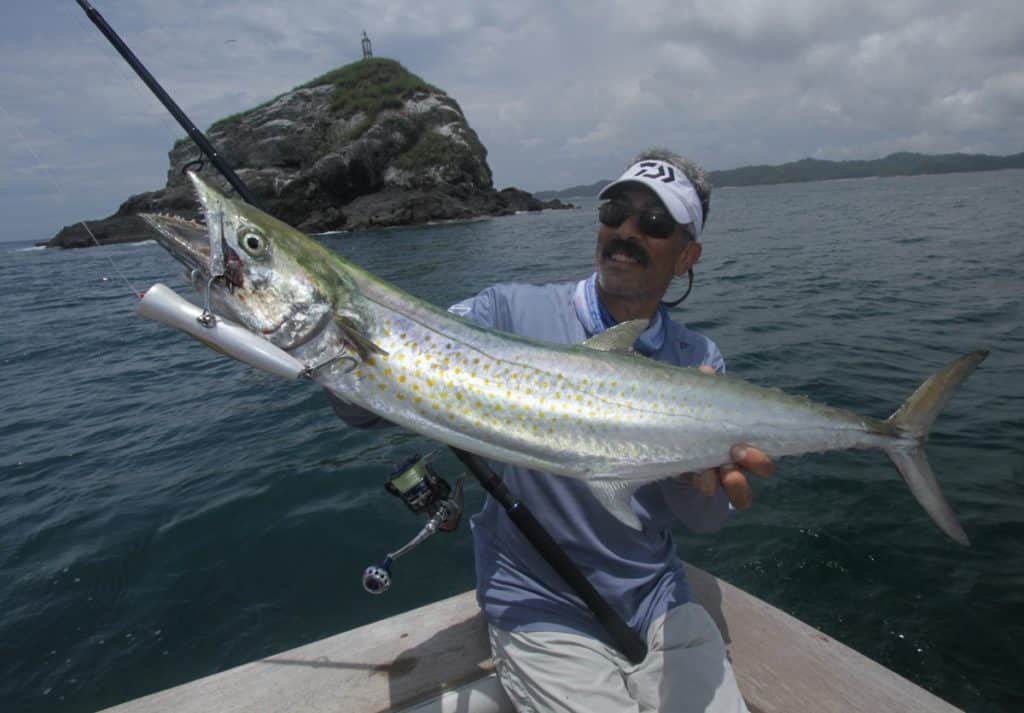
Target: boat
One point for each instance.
(436, 659)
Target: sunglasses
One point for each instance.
(654, 223)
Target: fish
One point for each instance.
(593, 411)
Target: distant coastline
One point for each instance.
(810, 169)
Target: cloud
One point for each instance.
(560, 93)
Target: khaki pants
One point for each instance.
(686, 669)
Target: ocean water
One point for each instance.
(167, 513)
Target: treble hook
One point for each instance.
(310, 371)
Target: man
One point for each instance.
(551, 654)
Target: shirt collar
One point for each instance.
(595, 318)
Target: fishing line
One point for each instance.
(63, 196)
(131, 80)
(91, 40)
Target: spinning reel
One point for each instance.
(425, 493)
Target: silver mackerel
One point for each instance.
(592, 411)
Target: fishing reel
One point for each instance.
(425, 493)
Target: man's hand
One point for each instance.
(730, 477)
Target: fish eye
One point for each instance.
(253, 243)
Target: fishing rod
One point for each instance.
(421, 489)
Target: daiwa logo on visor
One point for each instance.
(656, 171)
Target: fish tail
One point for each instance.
(912, 422)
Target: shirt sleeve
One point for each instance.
(481, 308)
(699, 513)
(714, 358)
(353, 415)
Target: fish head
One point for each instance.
(255, 269)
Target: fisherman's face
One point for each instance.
(634, 266)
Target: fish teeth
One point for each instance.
(184, 221)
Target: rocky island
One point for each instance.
(366, 145)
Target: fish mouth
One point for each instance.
(186, 240)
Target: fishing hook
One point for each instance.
(310, 370)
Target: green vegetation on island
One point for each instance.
(369, 86)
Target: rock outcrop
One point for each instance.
(366, 145)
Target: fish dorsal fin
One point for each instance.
(617, 496)
(619, 338)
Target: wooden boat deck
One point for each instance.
(398, 664)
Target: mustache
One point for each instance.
(628, 248)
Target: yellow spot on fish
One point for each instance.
(387, 372)
(417, 399)
(382, 387)
(400, 397)
(370, 362)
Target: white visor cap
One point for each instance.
(670, 185)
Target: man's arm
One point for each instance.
(355, 416)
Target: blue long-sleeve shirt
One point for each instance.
(638, 572)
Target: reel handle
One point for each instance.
(377, 577)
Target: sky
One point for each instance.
(560, 92)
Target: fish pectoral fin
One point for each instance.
(619, 338)
(362, 344)
(617, 498)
